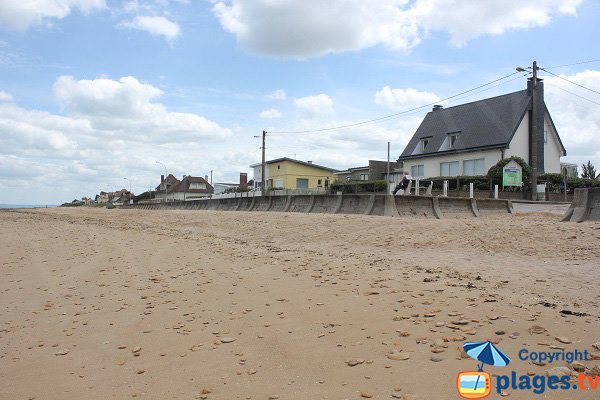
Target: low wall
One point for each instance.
(585, 206)
(417, 206)
(456, 207)
(372, 204)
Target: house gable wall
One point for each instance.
(552, 149)
(519, 144)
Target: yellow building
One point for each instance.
(287, 173)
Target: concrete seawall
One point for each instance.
(584, 206)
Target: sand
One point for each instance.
(118, 304)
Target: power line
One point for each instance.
(577, 63)
(574, 94)
(391, 115)
(574, 83)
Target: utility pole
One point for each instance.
(388, 170)
(262, 182)
(533, 140)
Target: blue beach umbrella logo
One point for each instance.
(477, 385)
(486, 353)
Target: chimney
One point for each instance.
(437, 107)
(162, 178)
(243, 180)
(206, 178)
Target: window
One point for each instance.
(301, 183)
(417, 171)
(279, 183)
(452, 140)
(319, 182)
(449, 168)
(474, 167)
(545, 136)
(424, 143)
(197, 185)
(364, 177)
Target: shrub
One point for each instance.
(359, 186)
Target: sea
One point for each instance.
(27, 205)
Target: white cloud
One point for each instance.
(157, 26)
(21, 14)
(126, 107)
(314, 27)
(313, 106)
(577, 120)
(403, 99)
(279, 94)
(271, 113)
(110, 129)
(5, 96)
(465, 20)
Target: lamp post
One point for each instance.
(129, 189)
(158, 162)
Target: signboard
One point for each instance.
(512, 174)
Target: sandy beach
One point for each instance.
(118, 304)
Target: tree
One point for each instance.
(589, 171)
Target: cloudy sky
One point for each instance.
(95, 91)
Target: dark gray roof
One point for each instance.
(483, 124)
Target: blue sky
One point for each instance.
(94, 91)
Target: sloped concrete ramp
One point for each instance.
(584, 207)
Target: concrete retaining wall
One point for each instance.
(454, 207)
(417, 206)
(585, 206)
(356, 204)
(371, 204)
(326, 204)
(493, 206)
(280, 203)
(302, 203)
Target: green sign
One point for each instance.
(512, 175)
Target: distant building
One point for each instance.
(287, 173)
(570, 169)
(221, 187)
(117, 197)
(189, 188)
(376, 170)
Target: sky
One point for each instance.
(98, 95)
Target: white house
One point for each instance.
(471, 138)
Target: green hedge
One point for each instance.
(457, 182)
(359, 187)
(555, 182)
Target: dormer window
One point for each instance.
(424, 143)
(453, 140)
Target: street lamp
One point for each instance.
(158, 162)
(129, 189)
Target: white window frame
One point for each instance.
(474, 165)
(449, 172)
(417, 175)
